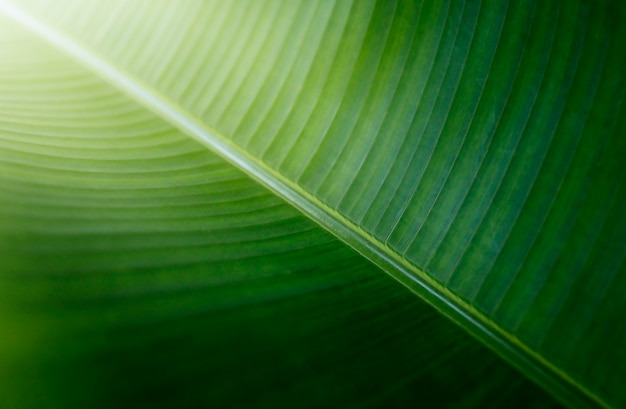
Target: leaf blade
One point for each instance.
(387, 230)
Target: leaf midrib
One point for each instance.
(417, 280)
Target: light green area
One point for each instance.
(471, 149)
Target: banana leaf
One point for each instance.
(469, 149)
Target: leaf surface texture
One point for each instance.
(470, 149)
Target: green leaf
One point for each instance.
(139, 270)
(469, 149)
(129, 250)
